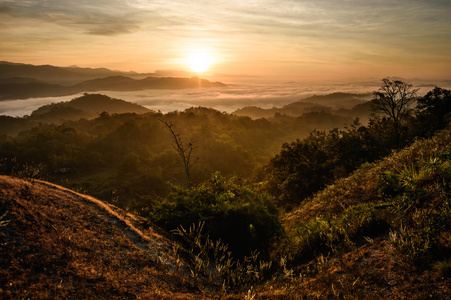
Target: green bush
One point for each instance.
(232, 213)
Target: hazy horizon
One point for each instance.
(291, 40)
(269, 53)
(233, 96)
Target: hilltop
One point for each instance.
(54, 74)
(57, 243)
(87, 106)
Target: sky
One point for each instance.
(287, 39)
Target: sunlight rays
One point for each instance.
(199, 60)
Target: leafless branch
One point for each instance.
(184, 151)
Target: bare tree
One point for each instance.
(183, 150)
(393, 99)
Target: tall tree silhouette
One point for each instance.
(393, 99)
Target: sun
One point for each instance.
(199, 61)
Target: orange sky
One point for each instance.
(312, 39)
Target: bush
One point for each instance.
(305, 166)
(232, 213)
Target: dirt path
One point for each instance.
(158, 247)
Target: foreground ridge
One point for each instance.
(55, 242)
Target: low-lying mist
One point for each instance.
(230, 98)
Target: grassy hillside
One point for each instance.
(383, 232)
(58, 244)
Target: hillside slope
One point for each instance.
(383, 232)
(58, 244)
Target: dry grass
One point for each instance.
(59, 244)
(375, 266)
(361, 186)
(370, 271)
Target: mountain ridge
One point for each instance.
(57, 75)
(21, 81)
(59, 243)
(348, 103)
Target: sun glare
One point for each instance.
(199, 61)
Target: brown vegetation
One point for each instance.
(58, 244)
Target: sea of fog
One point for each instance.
(229, 98)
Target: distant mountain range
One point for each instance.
(22, 81)
(354, 104)
(57, 75)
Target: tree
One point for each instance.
(233, 212)
(393, 99)
(434, 110)
(183, 150)
(301, 168)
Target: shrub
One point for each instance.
(232, 213)
(414, 246)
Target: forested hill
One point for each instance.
(87, 106)
(382, 232)
(99, 153)
(355, 105)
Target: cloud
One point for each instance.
(319, 19)
(95, 18)
(97, 24)
(5, 9)
(259, 35)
